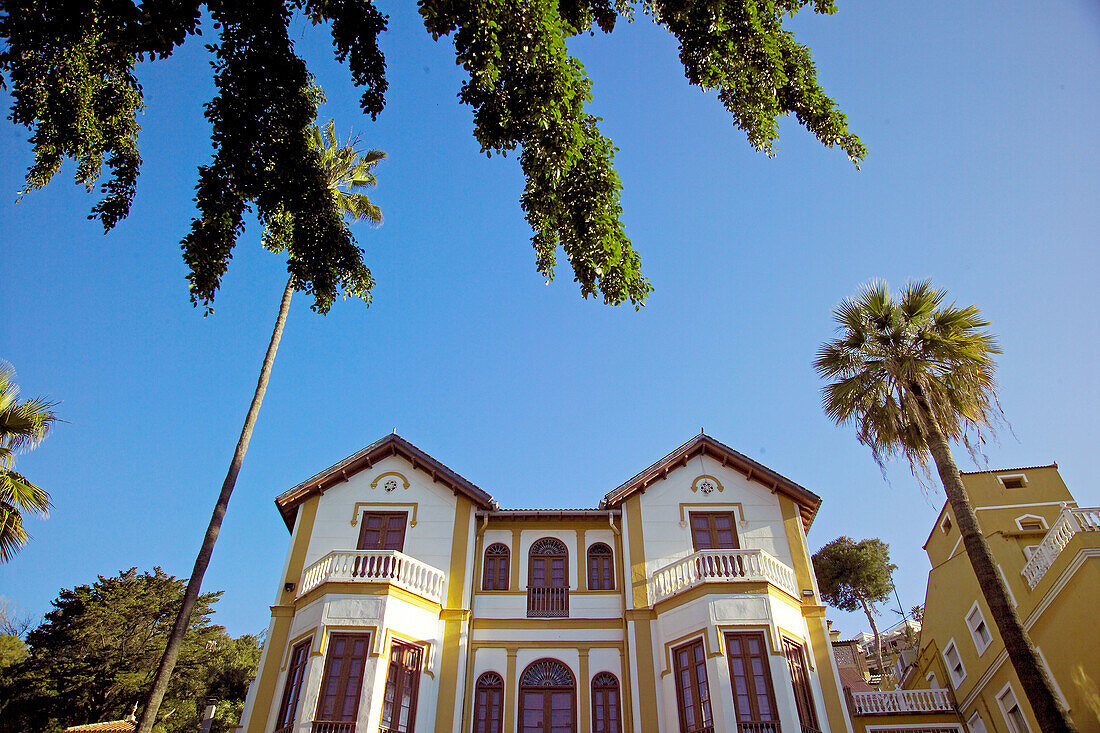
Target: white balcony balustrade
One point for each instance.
(1070, 522)
(902, 701)
(720, 566)
(375, 566)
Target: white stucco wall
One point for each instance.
(376, 615)
(667, 538)
(428, 541)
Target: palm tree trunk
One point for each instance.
(878, 639)
(183, 619)
(1038, 688)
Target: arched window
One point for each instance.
(548, 579)
(605, 704)
(488, 699)
(599, 567)
(495, 576)
(548, 568)
(547, 698)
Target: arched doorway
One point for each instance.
(548, 579)
(547, 698)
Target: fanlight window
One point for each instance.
(547, 673)
(548, 546)
(547, 698)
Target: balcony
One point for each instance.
(547, 602)
(720, 566)
(328, 726)
(758, 726)
(902, 701)
(1070, 522)
(374, 566)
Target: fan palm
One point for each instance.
(913, 375)
(23, 425)
(349, 170)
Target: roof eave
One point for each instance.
(393, 444)
(809, 503)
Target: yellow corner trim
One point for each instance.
(454, 614)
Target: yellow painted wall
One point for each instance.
(1059, 613)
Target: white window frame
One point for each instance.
(933, 681)
(952, 646)
(975, 724)
(1007, 476)
(946, 524)
(1050, 673)
(979, 643)
(1005, 692)
(1011, 595)
(1023, 517)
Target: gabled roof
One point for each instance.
(391, 445)
(703, 444)
(111, 726)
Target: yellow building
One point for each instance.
(1048, 552)
(411, 601)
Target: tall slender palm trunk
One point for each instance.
(183, 619)
(878, 638)
(1038, 688)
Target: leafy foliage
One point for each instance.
(851, 573)
(93, 656)
(893, 356)
(71, 69)
(23, 425)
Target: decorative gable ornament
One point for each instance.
(707, 485)
(391, 483)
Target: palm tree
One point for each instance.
(914, 374)
(23, 425)
(349, 170)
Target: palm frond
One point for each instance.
(23, 425)
(892, 353)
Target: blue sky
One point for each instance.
(982, 175)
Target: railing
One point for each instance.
(902, 701)
(284, 729)
(720, 566)
(758, 726)
(547, 602)
(1069, 522)
(329, 726)
(375, 566)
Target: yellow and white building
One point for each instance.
(1047, 550)
(411, 601)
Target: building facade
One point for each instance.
(411, 601)
(1048, 552)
